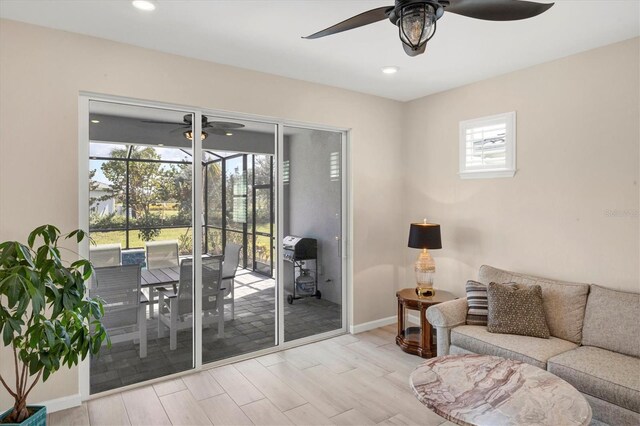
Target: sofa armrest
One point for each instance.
(444, 317)
(448, 314)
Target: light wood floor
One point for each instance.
(347, 380)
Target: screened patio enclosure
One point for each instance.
(143, 193)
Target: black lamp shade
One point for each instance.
(425, 236)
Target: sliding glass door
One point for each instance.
(313, 225)
(213, 237)
(141, 226)
(238, 236)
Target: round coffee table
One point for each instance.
(489, 390)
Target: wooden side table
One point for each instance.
(418, 340)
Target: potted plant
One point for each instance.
(46, 319)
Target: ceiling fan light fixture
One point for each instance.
(189, 135)
(417, 24)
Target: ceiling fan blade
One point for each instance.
(163, 122)
(366, 18)
(222, 125)
(497, 10)
(219, 132)
(180, 129)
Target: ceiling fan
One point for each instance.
(416, 19)
(208, 127)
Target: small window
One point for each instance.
(488, 147)
(334, 167)
(285, 172)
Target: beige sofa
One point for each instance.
(594, 343)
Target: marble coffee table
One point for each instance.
(489, 390)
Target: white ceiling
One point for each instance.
(266, 36)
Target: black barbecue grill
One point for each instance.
(301, 252)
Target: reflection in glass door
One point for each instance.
(140, 221)
(313, 224)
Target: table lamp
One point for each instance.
(425, 236)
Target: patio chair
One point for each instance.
(229, 268)
(105, 255)
(175, 309)
(124, 309)
(160, 254)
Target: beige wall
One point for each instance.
(42, 72)
(577, 158)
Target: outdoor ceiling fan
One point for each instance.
(208, 127)
(416, 19)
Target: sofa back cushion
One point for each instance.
(564, 302)
(611, 321)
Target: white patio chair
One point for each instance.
(160, 254)
(105, 255)
(124, 309)
(229, 268)
(175, 310)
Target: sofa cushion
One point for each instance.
(610, 376)
(611, 319)
(477, 310)
(516, 309)
(532, 350)
(564, 302)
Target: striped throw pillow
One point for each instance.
(477, 311)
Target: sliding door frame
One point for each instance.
(84, 100)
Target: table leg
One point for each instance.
(142, 330)
(400, 319)
(425, 331)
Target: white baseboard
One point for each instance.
(360, 328)
(63, 403)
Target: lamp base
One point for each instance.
(424, 292)
(425, 269)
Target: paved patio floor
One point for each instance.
(252, 329)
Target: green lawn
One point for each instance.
(115, 237)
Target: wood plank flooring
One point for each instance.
(358, 379)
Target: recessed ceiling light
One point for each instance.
(95, 121)
(389, 70)
(229, 134)
(143, 5)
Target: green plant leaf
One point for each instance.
(12, 286)
(25, 253)
(79, 233)
(34, 234)
(7, 335)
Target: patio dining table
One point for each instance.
(162, 277)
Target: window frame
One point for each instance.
(509, 169)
